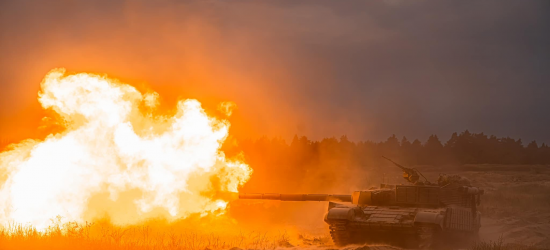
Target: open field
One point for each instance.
(515, 207)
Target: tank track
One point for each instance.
(424, 235)
(340, 233)
(341, 236)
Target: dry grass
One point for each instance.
(104, 235)
(508, 201)
(500, 245)
(153, 235)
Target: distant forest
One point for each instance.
(335, 165)
(463, 148)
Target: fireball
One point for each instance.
(114, 144)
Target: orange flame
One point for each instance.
(110, 145)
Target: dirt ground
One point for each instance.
(516, 203)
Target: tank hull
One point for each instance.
(408, 227)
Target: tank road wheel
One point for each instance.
(340, 233)
(424, 236)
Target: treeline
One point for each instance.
(334, 164)
(463, 148)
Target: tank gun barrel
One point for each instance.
(296, 197)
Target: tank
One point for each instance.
(420, 215)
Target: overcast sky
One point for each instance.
(366, 69)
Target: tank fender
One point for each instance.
(340, 213)
(425, 217)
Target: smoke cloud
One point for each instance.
(314, 68)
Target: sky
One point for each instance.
(319, 68)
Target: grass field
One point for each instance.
(149, 235)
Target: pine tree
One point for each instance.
(433, 151)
